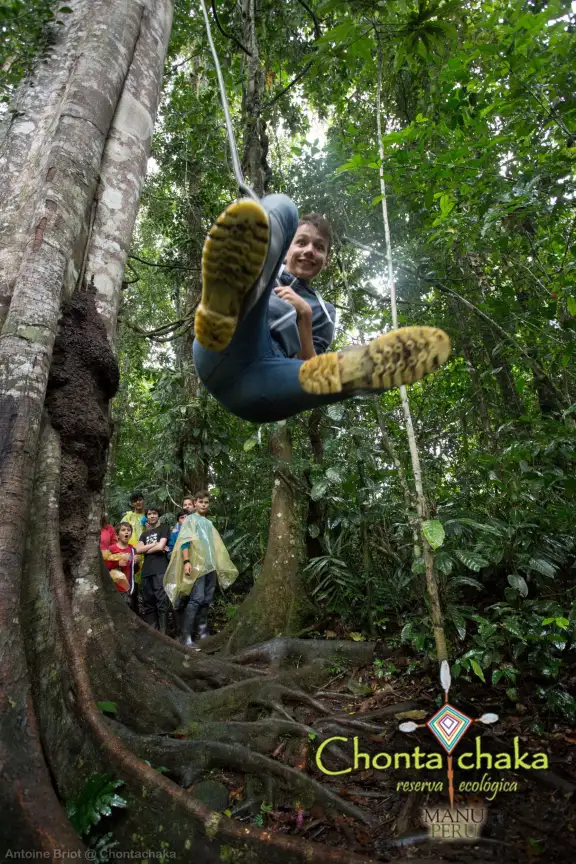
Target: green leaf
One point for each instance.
(477, 669)
(519, 583)
(358, 688)
(447, 204)
(443, 563)
(249, 444)
(333, 475)
(338, 34)
(543, 566)
(496, 675)
(459, 622)
(563, 623)
(318, 490)
(96, 800)
(313, 530)
(571, 303)
(336, 412)
(433, 531)
(490, 529)
(471, 560)
(466, 580)
(107, 707)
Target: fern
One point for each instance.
(96, 800)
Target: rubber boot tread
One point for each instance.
(232, 259)
(394, 359)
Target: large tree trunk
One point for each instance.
(194, 462)
(93, 96)
(67, 638)
(274, 605)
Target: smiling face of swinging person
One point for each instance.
(308, 252)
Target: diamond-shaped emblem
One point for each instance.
(449, 725)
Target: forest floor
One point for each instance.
(535, 822)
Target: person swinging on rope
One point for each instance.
(261, 345)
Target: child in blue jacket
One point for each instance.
(261, 344)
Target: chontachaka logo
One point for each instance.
(448, 725)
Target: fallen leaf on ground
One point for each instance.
(357, 687)
(366, 775)
(363, 837)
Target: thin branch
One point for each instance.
(130, 281)
(163, 266)
(568, 244)
(186, 60)
(228, 35)
(166, 332)
(317, 30)
(288, 86)
(306, 69)
(421, 502)
(549, 111)
(506, 336)
(363, 246)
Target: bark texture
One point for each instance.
(274, 605)
(67, 639)
(52, 160)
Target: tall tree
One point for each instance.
(69, 646)
(69, 203)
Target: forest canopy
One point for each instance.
(383, 542)
(478, 109)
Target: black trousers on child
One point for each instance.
(155, 601)
(202, 593)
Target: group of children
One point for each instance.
(168, 569)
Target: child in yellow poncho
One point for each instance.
(198, 559)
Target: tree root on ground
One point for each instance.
(86, 645)
(205, 754)
(285, 649)
(157, 801)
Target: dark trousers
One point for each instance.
(154, 599)
(252, 378)
(202, 593)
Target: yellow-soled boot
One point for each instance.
(400, 357)
(233, 256)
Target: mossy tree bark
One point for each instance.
(274, 605)
(89, 107)
(74, 166)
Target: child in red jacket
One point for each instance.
(122, 560)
